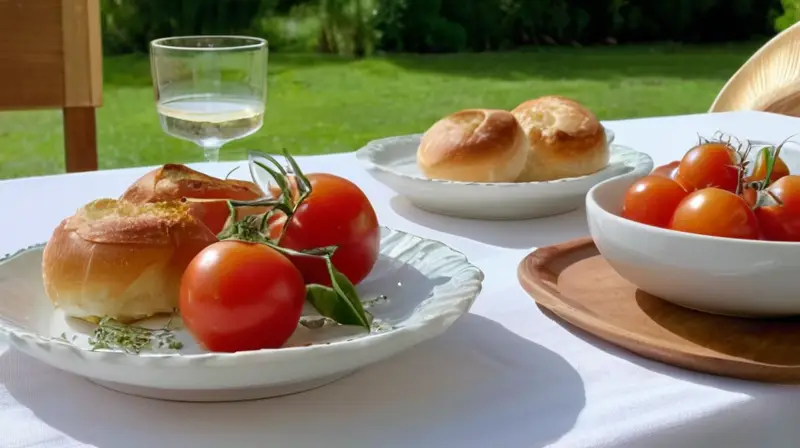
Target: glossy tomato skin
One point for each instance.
(750, 196)
(779, 169)
(652, 200)
(715, 212)
(238, 296)
(781, 222)
(336, 213)
(671, 171)
(710, 165)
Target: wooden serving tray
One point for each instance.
(575, 282)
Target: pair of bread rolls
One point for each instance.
(124, 258)
(547, 138)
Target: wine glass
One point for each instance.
(210, 89)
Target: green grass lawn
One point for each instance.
(322, 104)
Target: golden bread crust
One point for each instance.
(565, 138)
(474, 145)
(121, 260)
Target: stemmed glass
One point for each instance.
(210, 89)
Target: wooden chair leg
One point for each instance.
(80, 139)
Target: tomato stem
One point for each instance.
(774, 197)
(279, 178)
(254, 228)
(773, 160)
(231, 172)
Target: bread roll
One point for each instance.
(208, 195)
(565, 138)
(174, 181)
(474, 145)
(121, 260)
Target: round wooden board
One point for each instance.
(575, 282)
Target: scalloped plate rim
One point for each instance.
(465, 302)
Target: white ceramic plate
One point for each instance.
(393, 162)
(427, 287)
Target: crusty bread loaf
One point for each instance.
(474, 145)
(208, 195)
(565, 139)
(121, 260)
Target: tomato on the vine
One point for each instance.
(238, 296)
(711, 165)
(652, 200)
(336, 213)
(781, 221)
(779, 169)
(715, 212)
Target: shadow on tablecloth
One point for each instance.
(766, 418)
(512, 234)
(477, 385)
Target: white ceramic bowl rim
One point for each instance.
(364, 155)
(591, 196)
(16, 331)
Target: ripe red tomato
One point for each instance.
(779, 169)
(782, 222)
(336, 213)
(711, 165)
(671, 171)
(667, 170)
(715, 212)
(238, 296)
(652, 200)
(750, 196)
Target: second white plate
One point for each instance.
(393, 162)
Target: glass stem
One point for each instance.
(211, 152)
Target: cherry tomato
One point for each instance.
(336, 213)
(652, 200)
(711, 165)
(667, 170)
(781, 222)
(238, 296)
(779, 169)
(671, 171)
(715, 212)
(750, 196)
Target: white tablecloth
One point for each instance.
(504, 375)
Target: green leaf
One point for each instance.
(769, 162)
(339, 302)
(330, 304)
(347, 291)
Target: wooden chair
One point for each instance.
(51, 58)
(769, 81)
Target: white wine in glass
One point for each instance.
(210, 89)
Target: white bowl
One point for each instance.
(392, 161)
(428, 286)
(716, 275)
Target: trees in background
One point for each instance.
(361, 26)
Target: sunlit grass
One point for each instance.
(323, 104)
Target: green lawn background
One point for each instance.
(323, 104)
